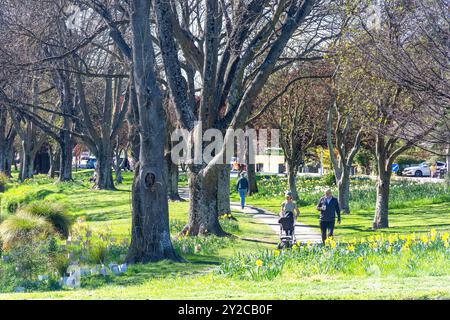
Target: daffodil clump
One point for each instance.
(229, 223)
(425, 254)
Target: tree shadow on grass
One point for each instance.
(42, 194)
(258, 241)
(104, 216)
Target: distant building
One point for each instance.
(272, 161)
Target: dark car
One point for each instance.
(88, 163)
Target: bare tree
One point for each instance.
(398, 115)
(150, 222)
(294, 103)
(234, 47)
(101, 124)
(343, 133)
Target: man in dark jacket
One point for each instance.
(328, 207)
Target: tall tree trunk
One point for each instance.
(27, 167)
(203, 208)
(9, 161)
(382, 204)
(172, 178)
(343, 184)
(53, 156)
(223, 190)
(118, 165)
(292, 180)
(150, 232)
(251, 176)
(251, 167)
(3, 159)
(447, 178)
(66, 155)
(103, 169)
(133, 122)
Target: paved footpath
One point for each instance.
(303, 232)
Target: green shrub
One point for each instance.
(61, 263)
(54, 213)
(23, 228)
(24, 265)
(329, 179)
(97, 253)
(408, 160)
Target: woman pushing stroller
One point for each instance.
(289, 205)
(288, 217)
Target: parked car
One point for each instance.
(421, 170)
(88, 163)
(440, 165)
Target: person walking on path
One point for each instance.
(242, 188)
(289, 205)
(329, 208)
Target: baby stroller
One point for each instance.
(287, 231)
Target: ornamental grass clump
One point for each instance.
(53, 212)
(23, 228)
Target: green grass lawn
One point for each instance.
(197, 277)
(416, 218)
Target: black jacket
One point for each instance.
(242, 184)
(332, 209)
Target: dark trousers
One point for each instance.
(326, 226)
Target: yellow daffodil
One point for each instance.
(276, 253)
(360, 259)
(444, 236)
(259, 263)
(424, 239)
(351, 248)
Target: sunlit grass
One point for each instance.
(196, 279)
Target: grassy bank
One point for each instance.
(107, 214)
